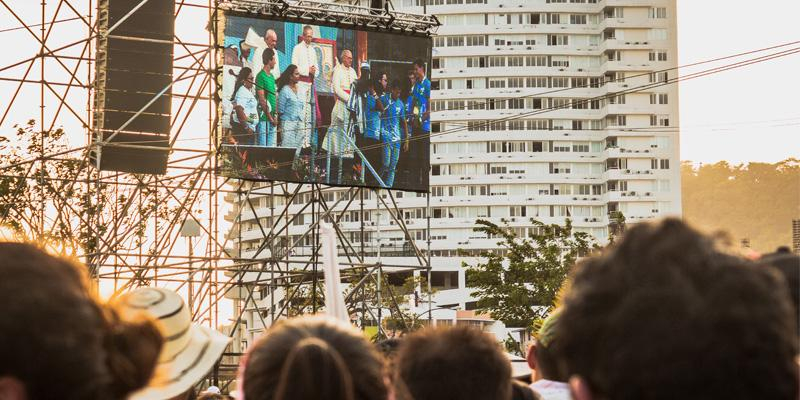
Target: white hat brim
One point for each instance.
(176, 376)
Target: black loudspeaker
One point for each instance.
(132, 86)
(377, 5)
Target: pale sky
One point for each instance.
(763, 92)
(749, 114)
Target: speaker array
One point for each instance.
(133, 76)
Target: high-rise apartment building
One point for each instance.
(543, 109)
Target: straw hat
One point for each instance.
(189, 351)
(253, 40)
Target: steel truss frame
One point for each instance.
(127, 227)
(337, 14)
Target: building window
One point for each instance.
(658, 12)
(659, 77)
(558, 40)
(516, 82)
(559, 103)
(476, 62)
(497, 61)
(618, 99)
(516, 61)
(536, 61)
(660, 55)
(516, 104)
(577, 19)
(476, 40)
(537, 124)
(658, 98)
(560, 82)
(497, 83)
(657, 34)
(659, 120)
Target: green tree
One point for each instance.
(756, 201)
(49, 194)
(518, 284)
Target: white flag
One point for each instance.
(334, 298)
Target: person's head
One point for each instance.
(460, 363)
(311, 358)
(664, 314)
(412, 76)
(788, 265)
(541, 357)
(190, 351)
(244, 78)
(383, 81)
(419, 69)
(395, 89)
(308, 34)
(290, 76)
(57, 341)
(268, 58)
(271, 38)
(346, 58)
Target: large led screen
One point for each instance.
(321, 104)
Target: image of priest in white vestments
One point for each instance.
(340, 139)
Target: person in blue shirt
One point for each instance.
(290, 109)
(370, 144)
(394, 135)
(408, 93)
(422, 94)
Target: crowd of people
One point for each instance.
(664, 313)
(372, 120)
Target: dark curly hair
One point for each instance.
(664, 314)
(459, 363)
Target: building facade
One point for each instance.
(542, 109)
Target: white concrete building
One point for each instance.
(555, 156)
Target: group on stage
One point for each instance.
(372, 122)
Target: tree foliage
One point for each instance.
(518, 284)
(756, 201)
(50, 195)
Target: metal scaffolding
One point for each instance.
(181, 230)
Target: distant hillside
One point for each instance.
(755, 201)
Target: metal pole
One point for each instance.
(314, 239)
(380, 268)
(272, 253)
(428, 237)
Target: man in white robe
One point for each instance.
(304, 56)
(340, 139)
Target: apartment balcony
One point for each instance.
(614, 109)
(632, 23)
(502, 6)
(618, 44)
(515, 29)
(627, 3)
(628, 66)
(617, 152)
(631, 195)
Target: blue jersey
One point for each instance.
(385, 98)
(373, 116)
(393, 127)
(422, 94)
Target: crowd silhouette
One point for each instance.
(663, 313)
